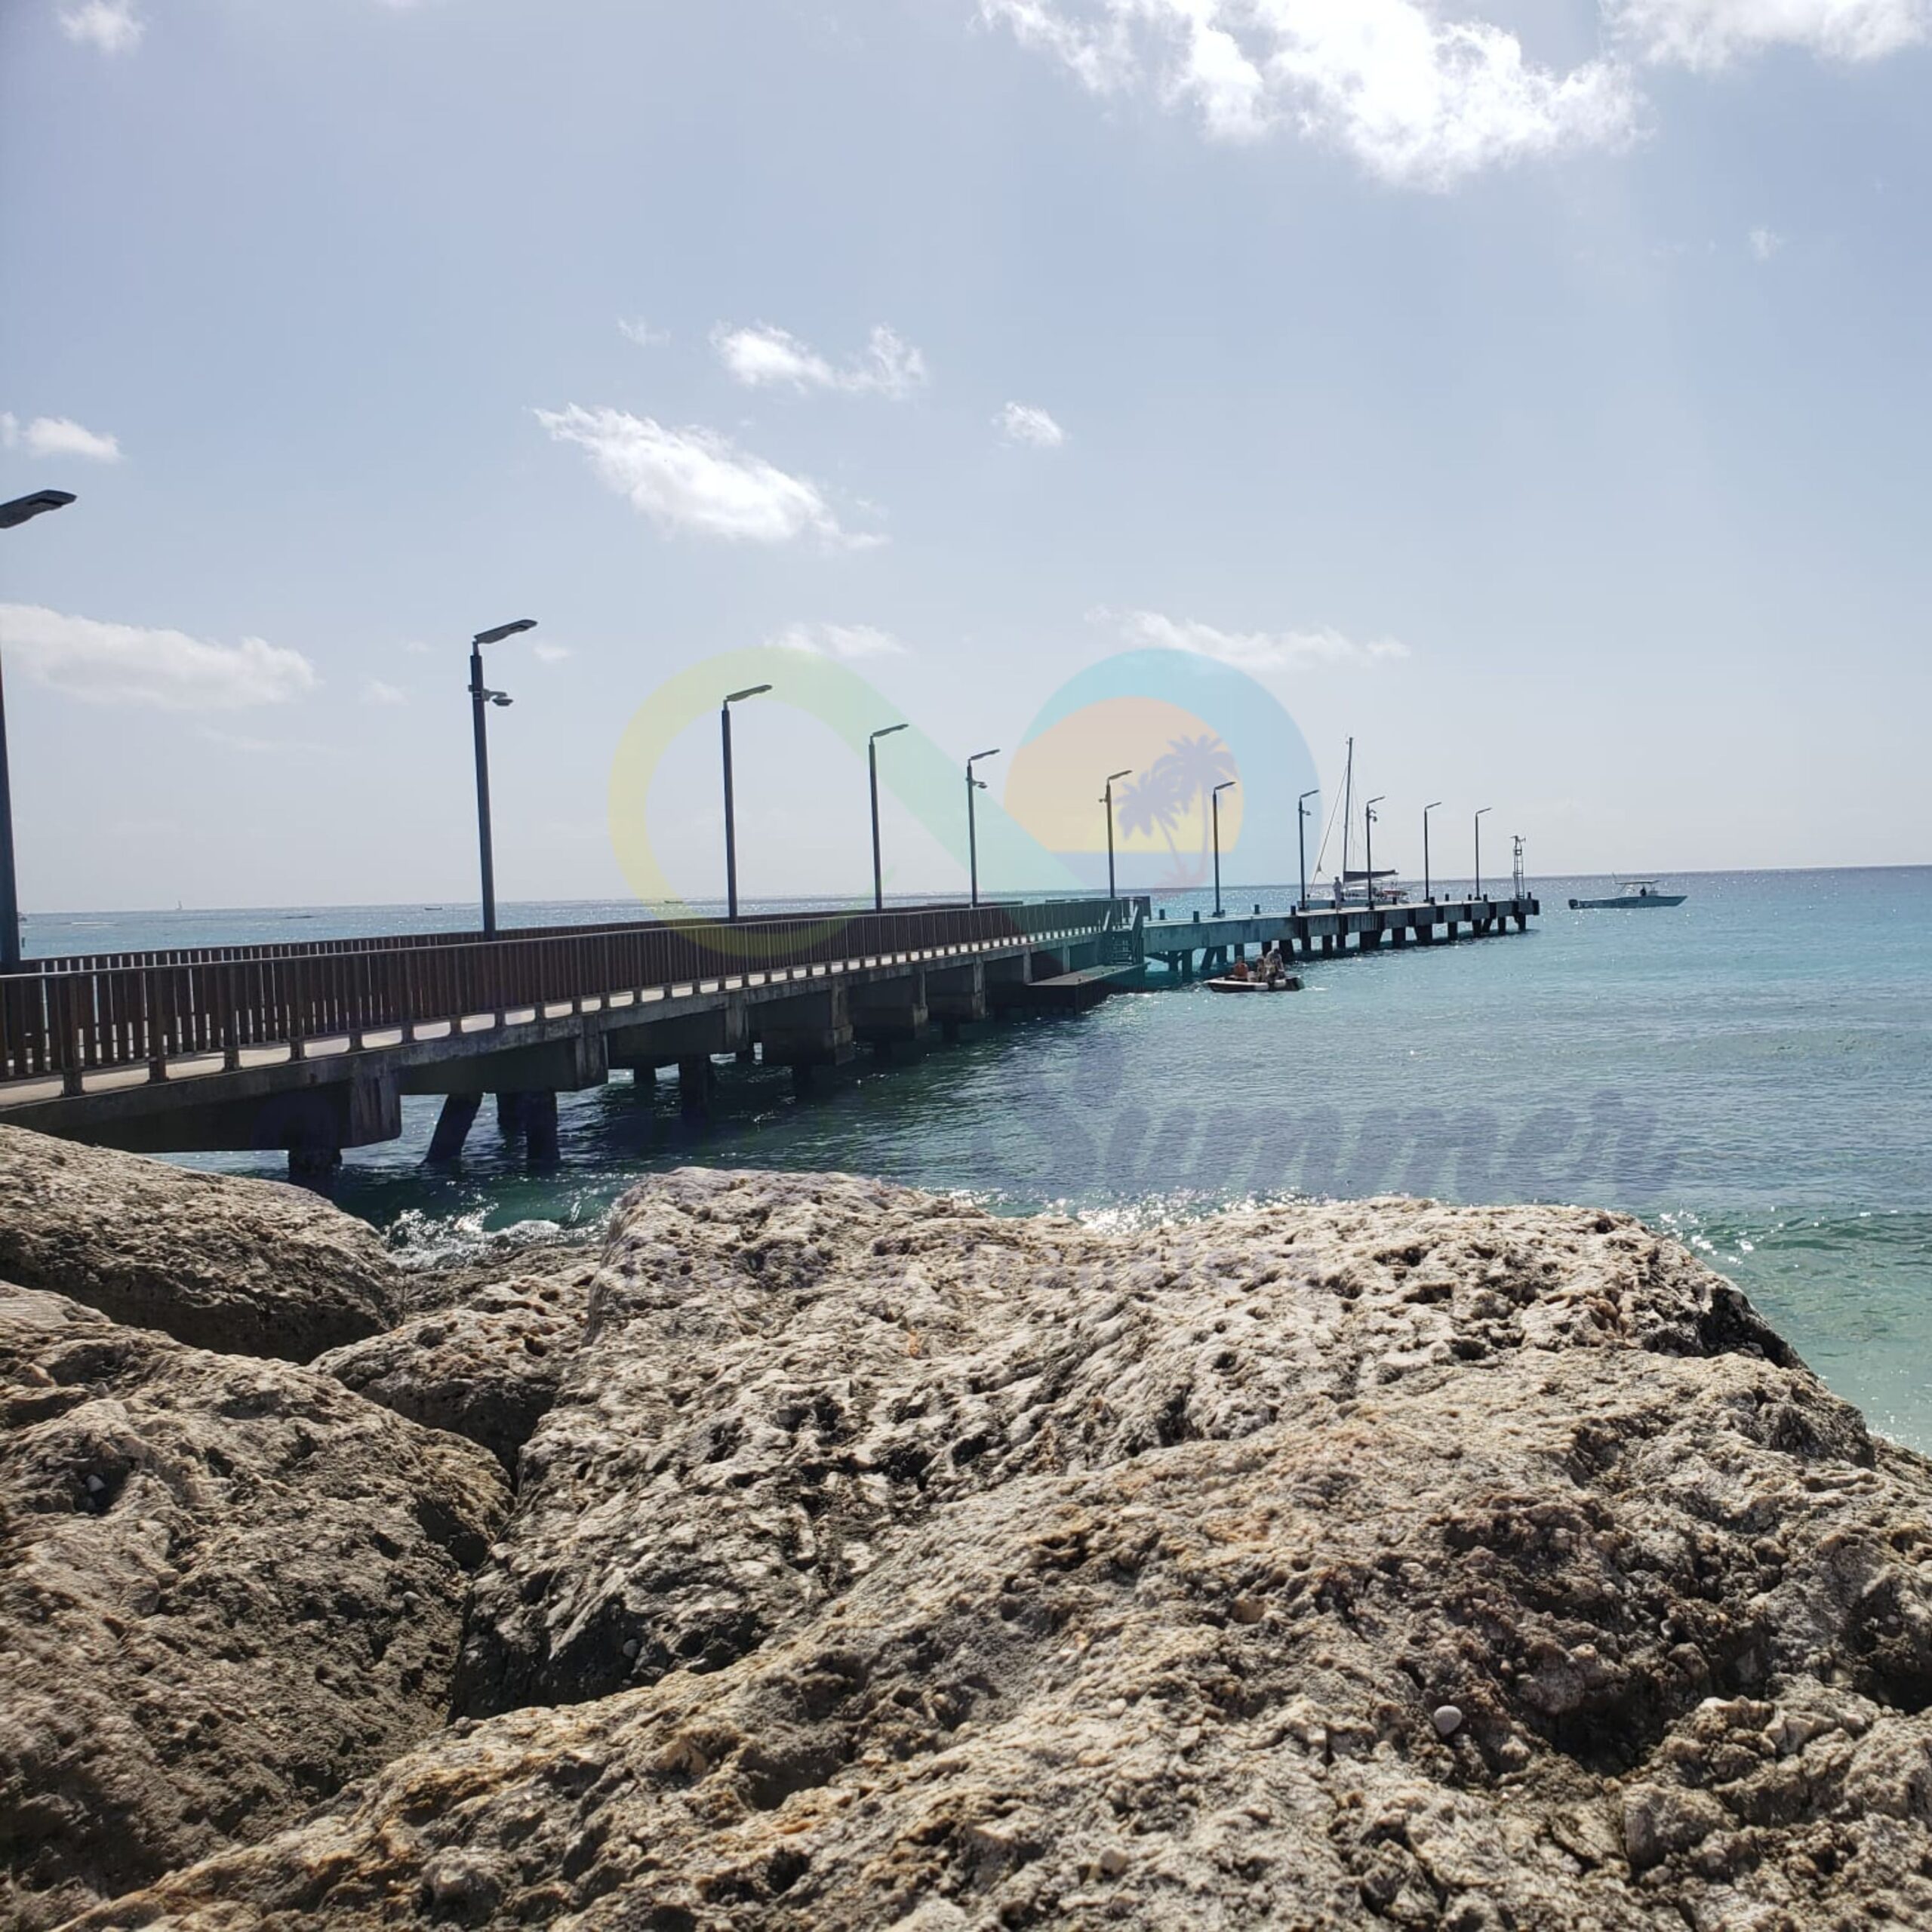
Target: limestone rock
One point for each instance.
(781, 1371)
(487, 1367)
(905, 1566)
(1039, 1709)
(227, 1586)
(248, 1267)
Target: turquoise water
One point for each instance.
(1753, 1071)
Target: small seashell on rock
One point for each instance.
(1447, 1720)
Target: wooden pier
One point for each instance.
(311, 1048)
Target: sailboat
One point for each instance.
(1356, 886)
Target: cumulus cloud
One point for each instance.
(377, 693)
(847, 642)
(126, 664)
(55, 436)
(695, 480)
(1708, 34)
(115, 26)
(1022, 423)
(640, 332)
(1416, 99)
(764, 357)
(1253, 650)
(1764, 243)
(549, 653)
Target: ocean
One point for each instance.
(1752, 1071)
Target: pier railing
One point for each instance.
(70, 1017)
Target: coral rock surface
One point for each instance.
(881, 1562)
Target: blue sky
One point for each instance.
(1537, 393)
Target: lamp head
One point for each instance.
(501, 697)
(1225, 783)
(887, 731)
(503, 631)
(750, 691)
(23, 508)
(1112, 775)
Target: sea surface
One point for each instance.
(1752, 1071)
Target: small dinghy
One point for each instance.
(1289, 983)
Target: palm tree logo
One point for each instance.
(1177, 781)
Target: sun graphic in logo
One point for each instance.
(1174, 760)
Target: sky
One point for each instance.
(1536, 393)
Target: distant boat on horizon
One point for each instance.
(1632, 893)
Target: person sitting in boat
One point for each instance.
(1239, 970)
(1272, 967)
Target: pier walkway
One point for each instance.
(1206, 942)
(310, 1047)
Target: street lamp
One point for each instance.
(871, 764)
(1426, 893)
(731, 822)
(1301, 842)
(1478, 822)
(1108, 801)
(480, 695)
(19, 511)
(1214, 799)
(1368, 840)
(972, 835)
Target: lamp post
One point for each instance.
(871, 766)
(1478, 826)
(972, 833)
(1301, 842)
(480, 695)
(1215, 800)
(1426, 893)
(1368, 841)
(20, 510)
(1108, 801)
(730, 822)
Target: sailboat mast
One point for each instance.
(1348, 811)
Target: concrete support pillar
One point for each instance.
(694, 1087)
(1328, 946)
(315, 1168)
(510, 1115)
(452, 1126)
(539, 1128)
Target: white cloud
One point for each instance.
(417, 648)
(1707, 34)
(846, 642)
(549, 653)
(115, 26)
(762, 357)
(694, 479)
(376, 692)
(55, 436)
(640, 332)
(1253, 650)
(1764, 243)
(127, 664)
(1416, 100)
(1021, 423)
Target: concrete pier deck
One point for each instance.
(312, 1048)
(1207, 943)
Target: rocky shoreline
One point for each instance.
(820, 1553)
